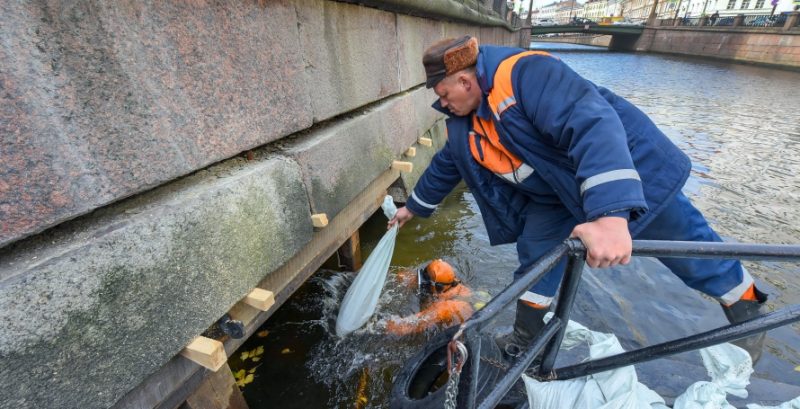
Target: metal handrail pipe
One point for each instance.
(520, 365)
(694, 249)
(515, 289)
(728, 333)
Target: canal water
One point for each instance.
(740, 125)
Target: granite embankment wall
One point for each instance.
(159, 159)
(757, 45)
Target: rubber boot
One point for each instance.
(744, 310)
(528, 322)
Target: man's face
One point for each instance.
(457, 94)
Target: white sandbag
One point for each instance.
(728, 366)
(615, 389)
(362, 297)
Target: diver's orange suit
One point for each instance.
(447, 308)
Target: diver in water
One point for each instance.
(444, 300)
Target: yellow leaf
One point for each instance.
(262, 334)
(248, 379)
(245, 355)
(286, 351)
(256, 359)
(797, 368)
(252, 370)
(259, 350)
(240, 384)
(239, 374)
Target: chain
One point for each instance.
(495, 363)
(454, 368)
(451, 392)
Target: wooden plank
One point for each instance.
(350, 253)
(319, 220)
(426, 142)
(217, 391)
(411, 152)
(206, 352)
(402, 166)
(260, 299)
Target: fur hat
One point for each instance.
(449, 56)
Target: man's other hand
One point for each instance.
(402, 216)
(607, 240)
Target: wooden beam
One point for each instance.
(260, 299)
(206, 352)
(319, 220)
(426, 142)
(403, 166)
(350, 253)
(411, 152)
(218, 391)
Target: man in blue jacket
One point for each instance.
(549, 155)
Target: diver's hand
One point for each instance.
(402, 216)
(607, 240)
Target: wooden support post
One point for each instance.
(319, 220)
(350, 253)
(403, 166)
(206, 352)
(260, 299)
(218, 391)
(411, 152)
(426, 142)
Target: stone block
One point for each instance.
(350, 54)
(414, 35)
(107, 100)
(424, 155)
(91, 310)
(340, 159)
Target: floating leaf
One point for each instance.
(797, 368)
(252, 370)
(262, 334)
(249, 378)
(240, 383)
(285, 351)
(244, 355)
(239, 374)
(259, 350)
(256, 359)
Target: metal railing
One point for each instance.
(548, 341)
(765, 20)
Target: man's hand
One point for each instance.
(607, 240)
(402, 216)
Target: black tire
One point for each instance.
(421, 382)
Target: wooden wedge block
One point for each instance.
(411, 152)
(319, 220)
(403, 166)
(425, 142)
(260, 299)
(206, 352)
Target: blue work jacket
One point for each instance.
(598, 152)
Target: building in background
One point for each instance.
(594, 9)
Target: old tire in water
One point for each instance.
(421, 382)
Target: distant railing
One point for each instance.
(765, 20)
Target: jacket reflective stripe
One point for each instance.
(736, 292)
(536, 299)
(421, 202)
(491, 154)
(505, 104)
(610, 176)
(501, 97)
(518, 175)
